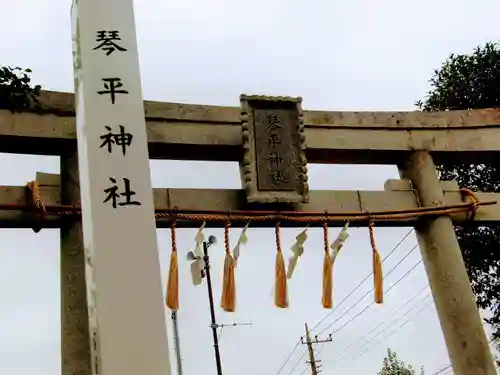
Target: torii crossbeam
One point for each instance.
(277, 190)
(212, 133)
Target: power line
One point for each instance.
(406, 274)
(443, 369)
(369, 291)
(298, 363)
(361, 282)
(313, 362)
(350, 294)
(366, 294)
(384, 330)
(386, 319)
(300, 359)
(394, 331)
(448, 368)
(321, 347)
(288, 358)
(372, 303)
(406, 313)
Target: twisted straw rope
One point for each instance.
(326, 242)
(260, 216)
(226, 238)
(174, 236)
(278, 237)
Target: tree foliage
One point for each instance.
(393, 366)
(16, 93)
(464, 82)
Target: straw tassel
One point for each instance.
(36, 200)
(172, 298)
(228, 299)
(327, 299)
(377, 268)
(280, 289)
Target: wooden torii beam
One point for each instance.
(196, 132)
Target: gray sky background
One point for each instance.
(337, 55)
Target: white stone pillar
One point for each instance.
(127, 314)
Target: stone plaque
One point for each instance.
(274, 165)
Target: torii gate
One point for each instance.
(413, 140)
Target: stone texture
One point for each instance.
(398, 195)
(75, 340)
(455, 303)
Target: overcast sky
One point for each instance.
(338, 55)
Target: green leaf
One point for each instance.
(472, 81)
(16, 93)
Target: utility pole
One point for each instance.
(177, 345)
(312, 360)
(214, 325)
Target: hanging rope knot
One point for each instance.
(228, 298)
(280, 285)
(35, 200)
(326, 242)
(377, 265)
(174, 216)
(172, 297)
(278, 236)
(327, 297)
(468, 193)
(226, 237)
(174, 235)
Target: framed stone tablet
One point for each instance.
(274, 167)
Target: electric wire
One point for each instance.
(373, 302)
(350, 294)
(220, 333)
(391, 333)
(443, 369)
(364, 346)
(448, 368)
(369, 291)
(304, 370)
(322, 346)
(362, 281)
(394, 331)
(288, 358)
(298, 363)
(386, 320)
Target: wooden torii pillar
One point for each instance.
(197, 132)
